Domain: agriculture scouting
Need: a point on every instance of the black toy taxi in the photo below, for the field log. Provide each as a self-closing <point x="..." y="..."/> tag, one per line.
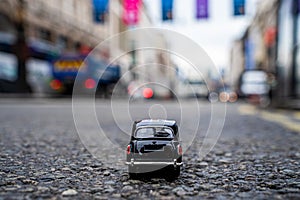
<point x="154" y="146"/>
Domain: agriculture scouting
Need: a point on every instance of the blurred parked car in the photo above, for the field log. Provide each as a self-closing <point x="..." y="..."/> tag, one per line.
<point x="255" y="87"/>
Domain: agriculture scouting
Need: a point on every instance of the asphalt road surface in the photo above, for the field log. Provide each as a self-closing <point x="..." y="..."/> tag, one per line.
<point x="255" y="154"/>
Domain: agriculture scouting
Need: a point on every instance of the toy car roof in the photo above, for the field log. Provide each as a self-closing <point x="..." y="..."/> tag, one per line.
<point x="156" y="122"/>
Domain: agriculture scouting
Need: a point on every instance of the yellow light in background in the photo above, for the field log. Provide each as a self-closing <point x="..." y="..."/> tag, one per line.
<point x="233" y="97"/>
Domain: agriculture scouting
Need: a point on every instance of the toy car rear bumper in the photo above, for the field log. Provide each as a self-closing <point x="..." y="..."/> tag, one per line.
<point x="133" y="163"/>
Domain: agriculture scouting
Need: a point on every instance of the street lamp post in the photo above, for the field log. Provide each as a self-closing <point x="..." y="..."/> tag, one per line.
<point x="21" y="50"/>
<point x="295" y="49"/>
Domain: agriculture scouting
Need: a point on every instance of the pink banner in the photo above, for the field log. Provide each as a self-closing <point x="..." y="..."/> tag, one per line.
<point x="131" y="11"/>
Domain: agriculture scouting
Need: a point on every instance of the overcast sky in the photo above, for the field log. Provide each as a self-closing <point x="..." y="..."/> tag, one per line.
<point x="214" y="35"/>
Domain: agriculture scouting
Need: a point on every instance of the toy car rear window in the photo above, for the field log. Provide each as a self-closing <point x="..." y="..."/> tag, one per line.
<point x="154" y="132"/>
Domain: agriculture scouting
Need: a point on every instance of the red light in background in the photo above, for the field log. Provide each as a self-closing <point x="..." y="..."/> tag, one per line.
<point x="89" y="83"/>
<point x="55" y="84"/>
<point x="148" y="93"/>
<point x="270" y="36"/>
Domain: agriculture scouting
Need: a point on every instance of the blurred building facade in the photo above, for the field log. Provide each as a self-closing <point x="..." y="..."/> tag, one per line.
<point x="35" y="30"/>
<point x="237" y="62"/>
<point x="54" y="23"/>
<point x="31" y="31"/>
<point x="288" y="53"/>
<point x="271" y="44"/>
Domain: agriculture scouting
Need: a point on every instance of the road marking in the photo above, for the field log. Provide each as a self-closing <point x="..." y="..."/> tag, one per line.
<point x="278" y="117"/>
<point x="281" y="119"/>
<point x="297" y="115"/>
<point x="271" y="116"/>
<point x="247" y="110"/>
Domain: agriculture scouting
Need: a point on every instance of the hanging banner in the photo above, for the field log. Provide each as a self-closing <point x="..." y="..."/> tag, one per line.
<point x="202" y="9"/>
<point x="100" y="10"/>
<point x="167" y="10"/>
<point x="131" y="12"/>
<point x="238" y="7"/>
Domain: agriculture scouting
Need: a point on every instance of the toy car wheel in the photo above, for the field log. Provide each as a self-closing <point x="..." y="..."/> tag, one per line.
<point x="176" y="172"/>
<point x="133" y="176"/>
<point x="132" y="172"/>
<point x="173" y="173"/>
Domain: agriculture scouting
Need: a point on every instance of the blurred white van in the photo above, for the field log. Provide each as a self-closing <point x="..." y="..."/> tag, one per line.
<point x="255" y="87"/>
<point x="255" y="83"/>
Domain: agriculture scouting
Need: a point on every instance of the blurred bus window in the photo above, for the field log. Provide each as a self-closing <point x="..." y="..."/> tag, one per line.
<point x="8" y="66"/>
<point x="39" y="73"/>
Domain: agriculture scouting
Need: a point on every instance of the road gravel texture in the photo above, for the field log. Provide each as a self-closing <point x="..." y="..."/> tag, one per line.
<point x="41" y="156"/>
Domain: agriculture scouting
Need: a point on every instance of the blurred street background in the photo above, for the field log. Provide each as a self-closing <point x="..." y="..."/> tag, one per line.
<point x="253" y="44"/>
<point x="254" y="73"/>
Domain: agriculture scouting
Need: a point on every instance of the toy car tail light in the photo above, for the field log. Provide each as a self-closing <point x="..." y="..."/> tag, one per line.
<point x="128" y="149"/>
<point x="179" y="149"/>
